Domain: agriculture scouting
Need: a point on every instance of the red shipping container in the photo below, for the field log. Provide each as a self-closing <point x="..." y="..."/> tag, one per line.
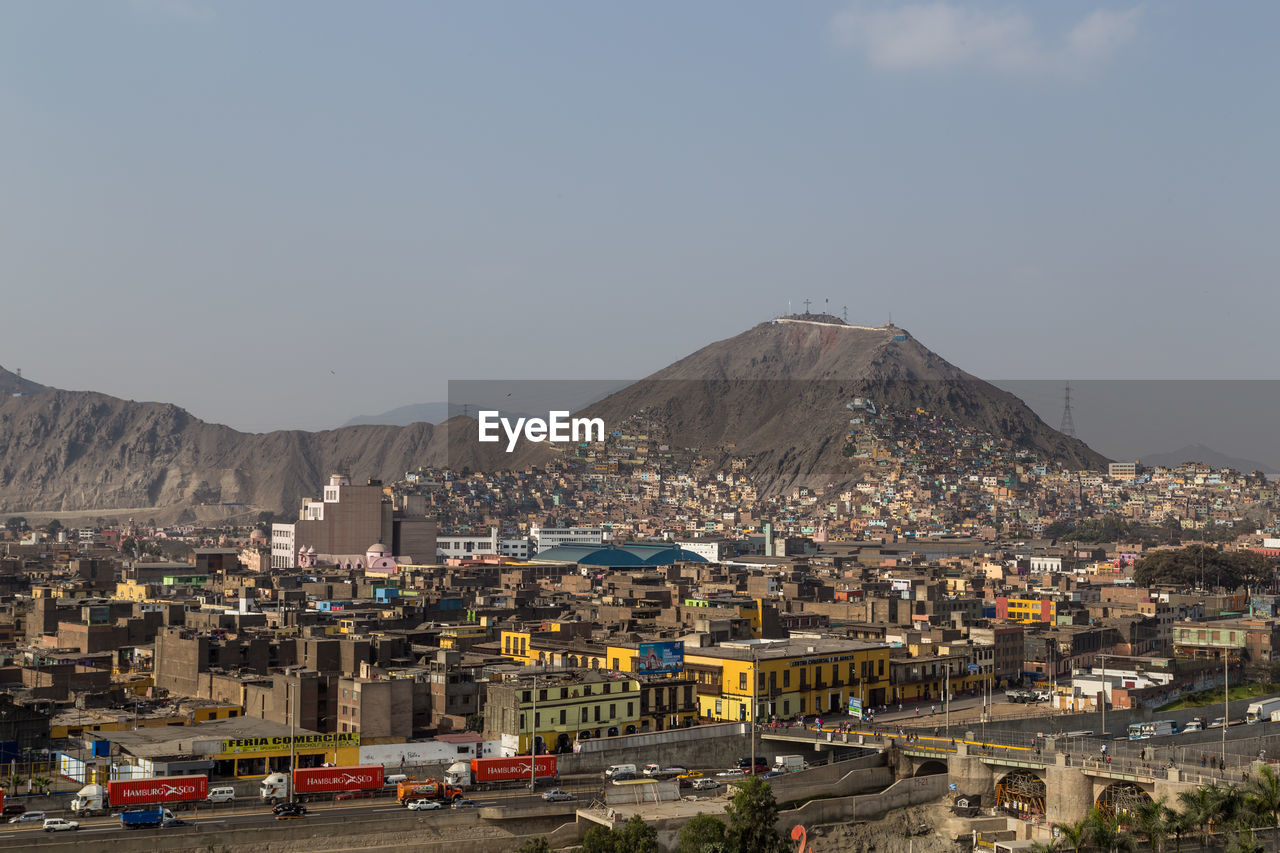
<point x="161" y="789"/>
<point x="321" y="780"/>
<point x="516" y="767"/>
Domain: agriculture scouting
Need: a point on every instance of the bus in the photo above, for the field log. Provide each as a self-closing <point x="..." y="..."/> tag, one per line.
<point x="1159" y="727"/>
<point x="1156" y="728"/>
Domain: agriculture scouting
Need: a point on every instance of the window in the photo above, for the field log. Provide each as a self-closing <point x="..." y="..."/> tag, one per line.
<point x="630" y="706"/>
<point x="597" y="719"/>
<point x="562" y="717"/>
<point x="522" y="721"/>
<point x="786" y="678"/>
<point x="615" y="664"/>
<point x="801" y="704"/>
<point x="613" y="711"/>
<point x="584" y="713"/>
<point x="742" y="681"/>
<point x="537" y="719"/>
<point x="718" y="707"/>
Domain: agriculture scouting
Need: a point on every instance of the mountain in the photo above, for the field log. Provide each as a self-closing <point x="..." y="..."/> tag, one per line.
<point x="63" y="451"/>
<point x="13" y="385"/>
<point x="1207" y="455"/>
<point x="431" y="413"/>
<point x="778" y="393"/>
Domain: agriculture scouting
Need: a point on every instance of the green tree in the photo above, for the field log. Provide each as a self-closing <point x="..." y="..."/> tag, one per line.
<point x="12" y="783"/>
<point x="1198" y="812"/>
<point x="1148" y="821"/>
<point x="1244" y="842"/>
<point x="1177" y="825"/>
<point x="1105" y="832"/>
<point x="701" y="834"/>
<point x="53" y="527"/>
<point x="16" y="524"/>
<point x="538" y="844"/>
<point x="475" y="723"/>
<point x="1262" y="792"/>
<point x="753" y="816"/>
<point x="636" y="836"/>
<point x="1074" y="835"/>
<point x="599" y="839"/>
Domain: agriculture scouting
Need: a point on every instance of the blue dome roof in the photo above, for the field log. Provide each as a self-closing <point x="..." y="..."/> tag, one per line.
<point x="624" y="556"/>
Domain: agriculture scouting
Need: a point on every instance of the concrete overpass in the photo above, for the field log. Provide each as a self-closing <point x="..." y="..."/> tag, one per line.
<point x="1054" y="779"/>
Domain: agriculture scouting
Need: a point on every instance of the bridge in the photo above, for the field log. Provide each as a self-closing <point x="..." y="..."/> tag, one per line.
<point x="1039" y="779"/>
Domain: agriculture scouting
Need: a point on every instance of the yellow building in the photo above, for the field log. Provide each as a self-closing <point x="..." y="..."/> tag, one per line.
<point x="787" y="677"/>
<point x="1027" y="609"/>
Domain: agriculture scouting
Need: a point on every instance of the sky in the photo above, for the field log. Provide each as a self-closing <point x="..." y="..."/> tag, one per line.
<point x="283" y="215"/>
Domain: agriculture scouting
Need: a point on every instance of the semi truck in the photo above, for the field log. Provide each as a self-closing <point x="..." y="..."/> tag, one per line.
<point x="130" y="793"/>
<point x="308" y="781"/>
<point x="495" y="772"/>
<point x="1259" y="712"/>
<point x="145" y="818"/>
<point x="426" y="789"/>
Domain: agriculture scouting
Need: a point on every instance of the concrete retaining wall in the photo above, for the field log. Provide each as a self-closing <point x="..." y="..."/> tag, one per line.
<point x="701" y="746"/>
<point x="907" y="792"/>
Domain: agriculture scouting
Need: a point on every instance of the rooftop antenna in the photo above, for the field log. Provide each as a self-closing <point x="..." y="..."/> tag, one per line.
<point x="1068" y="426"/>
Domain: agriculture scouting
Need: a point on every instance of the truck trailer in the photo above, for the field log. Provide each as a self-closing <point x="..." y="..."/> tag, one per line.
<point x="131" y="793"/>
<point x="145" y="818"/>
<point x="276" y="787"/>
<point x="1260" y="711"/>
<point x="493" y="772"/>
<point x="426" y="789"/>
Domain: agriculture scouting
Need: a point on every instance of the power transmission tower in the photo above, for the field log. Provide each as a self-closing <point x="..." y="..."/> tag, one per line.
<point x="1068" y="426"/>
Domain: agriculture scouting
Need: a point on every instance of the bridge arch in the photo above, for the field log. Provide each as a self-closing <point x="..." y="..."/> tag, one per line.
<point x="1021" y="793"/>
<point x="1122" y="798"/>
<point x="931" y="767"/>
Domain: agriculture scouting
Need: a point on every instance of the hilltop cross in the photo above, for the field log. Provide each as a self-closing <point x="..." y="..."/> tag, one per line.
<point x="806" y="306"/>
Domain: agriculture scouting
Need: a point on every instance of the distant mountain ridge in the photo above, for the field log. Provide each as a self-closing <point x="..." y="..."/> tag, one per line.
<point x="775" y="394"/>
<point x="431" y="413"/>
<point x="1209" y="456"/>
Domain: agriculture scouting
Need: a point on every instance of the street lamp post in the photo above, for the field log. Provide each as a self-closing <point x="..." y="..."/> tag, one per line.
<point x="755" y="684"/>
<point x="1103" y="658"/>
<point x="1226" y="699"/>
<point x="533" y="738"/>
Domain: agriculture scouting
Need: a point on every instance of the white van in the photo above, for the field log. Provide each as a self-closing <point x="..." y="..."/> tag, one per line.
<point x="394" y="779"/>
<point x="222" y="795"/>
<point x="617" y="769"/>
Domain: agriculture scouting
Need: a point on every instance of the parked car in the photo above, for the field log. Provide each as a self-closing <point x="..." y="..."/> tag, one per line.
<point x="28" y="817"/>
<point x="57" y="824"/>
<point x="555" y="795"/>
<point x="424" y="805"/>
<point x="289" y="811"/>
<point x="732" y="773"/>
<point x="11" y="809"/>
<point x="705" y="784"/>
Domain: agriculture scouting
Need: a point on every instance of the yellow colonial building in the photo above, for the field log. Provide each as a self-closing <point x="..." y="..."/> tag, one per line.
<point x="787" y="677"/>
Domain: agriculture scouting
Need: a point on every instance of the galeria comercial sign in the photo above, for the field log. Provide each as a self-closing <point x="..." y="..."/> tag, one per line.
<point x="557" y="428"/>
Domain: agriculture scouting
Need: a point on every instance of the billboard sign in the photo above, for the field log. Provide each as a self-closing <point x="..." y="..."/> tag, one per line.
<point x="655" y="658"/>
<point x="855" y="707"/>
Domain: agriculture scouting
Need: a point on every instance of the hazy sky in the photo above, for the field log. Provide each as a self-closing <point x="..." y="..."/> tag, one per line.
<point x="286" y="214"/>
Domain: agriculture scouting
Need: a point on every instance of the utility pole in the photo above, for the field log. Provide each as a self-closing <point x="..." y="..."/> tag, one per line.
<point x="533" y="738"/>
<point x="755" y="683"/>
<point x="946" y="700"/>
<point x="293" y="719"/>
<point x="1226" y="698"/>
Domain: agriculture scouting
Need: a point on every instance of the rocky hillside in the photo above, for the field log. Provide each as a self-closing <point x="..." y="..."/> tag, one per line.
<point x="778" y="392"/>
<point x="74" y="450"/>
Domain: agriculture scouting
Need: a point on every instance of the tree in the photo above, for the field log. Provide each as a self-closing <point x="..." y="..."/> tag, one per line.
<point x="538" y="844"/>
<point x="13" y="782"/>
<point x="1105" y="832"/>
<point x="475" y="723"/>
<point x="599" y="839"/>
<point x="1245" y="842"/>
<point x="753" y="814"/>
<point x="1177" y="825"/>
<point x="53" y="527"/>
<point x="1198" y="812"/>
<point x="1148" y="821"/>
<point x="1074" y="835"/>
<point x="1262" y="792"/>
<point x="701" y="833"/>
<point x="636" y="836"/>
<point x="42" y="783"/>
<point x="16" y="524"/>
